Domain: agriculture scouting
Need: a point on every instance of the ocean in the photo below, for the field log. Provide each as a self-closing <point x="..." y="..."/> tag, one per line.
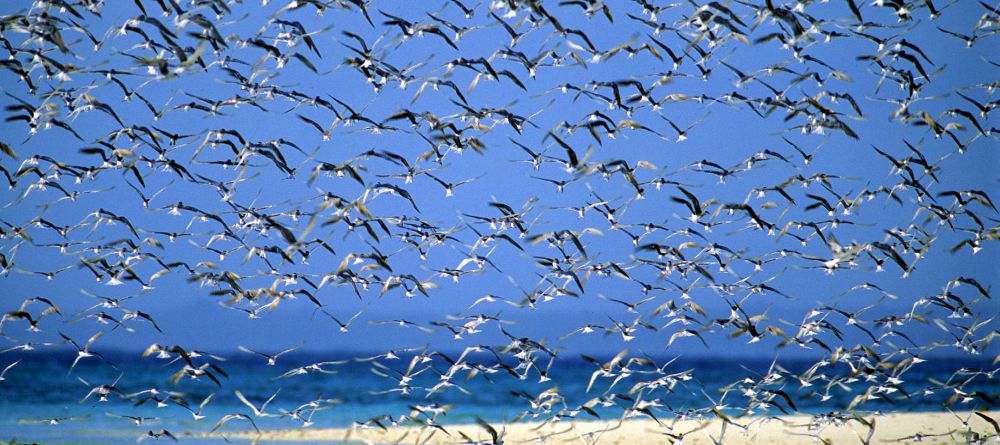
<point x="40" y="388"/>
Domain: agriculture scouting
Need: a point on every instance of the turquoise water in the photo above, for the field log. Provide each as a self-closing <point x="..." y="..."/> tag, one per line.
<point x="39" y="388"/>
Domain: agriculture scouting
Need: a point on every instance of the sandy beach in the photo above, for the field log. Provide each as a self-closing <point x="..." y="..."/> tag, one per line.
<point x="935" y="428"/>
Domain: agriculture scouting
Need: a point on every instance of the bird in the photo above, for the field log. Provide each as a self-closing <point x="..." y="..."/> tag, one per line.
<point x="226" y="418"/>
<point x="8" y="368"/>
<point x="84" y="351"/>
<point x="495" y="437"/>
<point x="272" y="359"/>
<point x="157" y="435"/>
<point x="137" y="420"/>
<point x="258" y="412"/>
<point x="343" y="325"/>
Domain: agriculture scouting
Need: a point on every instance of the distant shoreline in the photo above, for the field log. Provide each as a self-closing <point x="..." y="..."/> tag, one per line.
<point x="929" y="427"/>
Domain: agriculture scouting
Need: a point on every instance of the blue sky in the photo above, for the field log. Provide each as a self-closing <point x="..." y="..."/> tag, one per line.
<point x="723" y="133"/>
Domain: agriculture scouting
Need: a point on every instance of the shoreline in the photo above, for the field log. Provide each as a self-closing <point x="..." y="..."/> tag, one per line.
<point x="926" y="427"/>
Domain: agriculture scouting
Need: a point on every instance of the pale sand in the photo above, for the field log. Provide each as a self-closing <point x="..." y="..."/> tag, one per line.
<point x="889" y="428"/>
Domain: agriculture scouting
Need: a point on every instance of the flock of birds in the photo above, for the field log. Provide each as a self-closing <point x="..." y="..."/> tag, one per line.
<point x="579" y="153"/>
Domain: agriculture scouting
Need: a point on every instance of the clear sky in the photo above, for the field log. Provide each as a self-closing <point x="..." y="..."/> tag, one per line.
<point x="723" y="132"/>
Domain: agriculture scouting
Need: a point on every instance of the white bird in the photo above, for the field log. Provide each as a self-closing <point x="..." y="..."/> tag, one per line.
<point x="271" y="359"/>
<point x="4" y="372"/>
<point x="258" y="412"/>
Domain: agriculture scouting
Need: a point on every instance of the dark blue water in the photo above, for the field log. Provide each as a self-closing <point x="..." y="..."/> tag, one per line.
<point x="39" y="388"/>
